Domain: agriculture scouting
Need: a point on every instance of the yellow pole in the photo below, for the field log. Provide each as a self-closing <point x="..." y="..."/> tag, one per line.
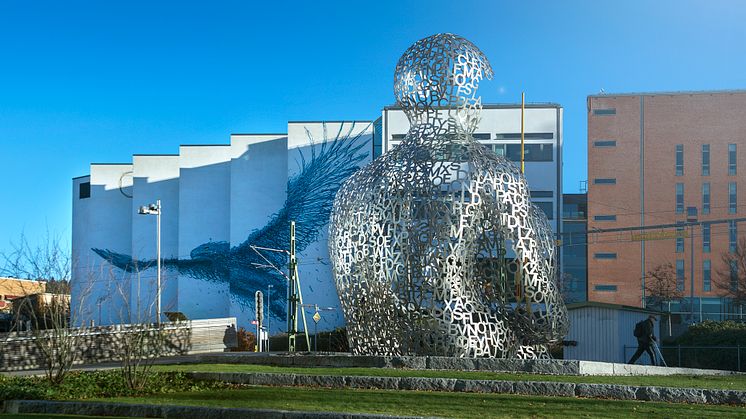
<point x="523" y="125"/>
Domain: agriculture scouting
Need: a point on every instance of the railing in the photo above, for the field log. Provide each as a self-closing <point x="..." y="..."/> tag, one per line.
<point x="708" y="357"/>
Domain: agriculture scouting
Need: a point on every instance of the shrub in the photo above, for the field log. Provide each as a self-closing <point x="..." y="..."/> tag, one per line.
<point x="709" y="334"/>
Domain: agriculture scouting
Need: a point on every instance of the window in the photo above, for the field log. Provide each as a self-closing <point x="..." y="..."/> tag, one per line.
<point x="679" y="159"/>
<point x="547" y="207"/>
<point x="531" y="152"/>
<point x="706" y="198"/>
<point x="680" y="274"/>
<point x="706" y="237"/>
<point x="542" y="194"/>
<point x="604" y="181"/>
<point x="604" y="143"/>
<point x="604" y="218"/>
<point x="481" y="136"/>
<point x="680" y="238"/>
<point x="607" y="111"/>
<point x="679" y="198"/>
<point x="732" y="236"/>
<point x="84" y="190"/>
<point x="604" y="287"/>
<point x="733" y="275"/>
<point x="397" y="137"/>
<point x="732" y="159"/>
<point x="732" y="198"/>
<point x="526" y="136"/>
<point x="705" y="160"/>
<point x="603" y="255"/>
<point x="706" y="275"/>
<point x="498" y="149"/>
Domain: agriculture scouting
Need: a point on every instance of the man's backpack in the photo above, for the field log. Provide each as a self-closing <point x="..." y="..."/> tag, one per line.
<point x="640" y="329"/>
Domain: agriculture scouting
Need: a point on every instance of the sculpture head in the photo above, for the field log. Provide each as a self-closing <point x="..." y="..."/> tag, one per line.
<point x="436" y="82"/>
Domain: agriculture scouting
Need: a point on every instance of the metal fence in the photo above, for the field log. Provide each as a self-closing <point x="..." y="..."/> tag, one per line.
<point x="708" y="357"/>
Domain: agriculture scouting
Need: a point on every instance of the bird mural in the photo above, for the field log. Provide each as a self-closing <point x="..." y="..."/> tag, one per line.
<point x="309" y="199"/>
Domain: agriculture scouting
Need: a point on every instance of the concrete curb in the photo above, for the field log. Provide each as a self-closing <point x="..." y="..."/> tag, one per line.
<point x="529" y="388"/>
<point x="538" y="366"/>
<point x="171" y="411"/>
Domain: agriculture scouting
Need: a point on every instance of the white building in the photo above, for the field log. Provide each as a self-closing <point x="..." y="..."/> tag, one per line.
<point x="500" y="130"/>
<point x="218" y="199"/>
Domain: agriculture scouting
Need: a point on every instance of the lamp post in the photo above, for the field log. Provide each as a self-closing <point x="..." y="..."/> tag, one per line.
<point x="691" y="217"/>
<point x="269" y="313"/>
<point x="155" y="209"/>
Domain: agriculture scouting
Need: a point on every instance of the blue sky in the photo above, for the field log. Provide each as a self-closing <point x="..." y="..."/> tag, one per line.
<point x="96" y="81"/>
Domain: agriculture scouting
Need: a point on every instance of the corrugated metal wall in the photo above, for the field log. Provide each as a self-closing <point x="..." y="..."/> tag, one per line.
<point x="602" y="333"/>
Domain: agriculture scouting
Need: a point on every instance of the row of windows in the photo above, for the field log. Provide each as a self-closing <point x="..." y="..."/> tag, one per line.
<point x="531" y="152"/>
<point x="732" y="162"/>
<point x="706" y="198"/>
<point x="681" y="277"/>
<point x="499" y="136"/>
<point x="706" y="239"/>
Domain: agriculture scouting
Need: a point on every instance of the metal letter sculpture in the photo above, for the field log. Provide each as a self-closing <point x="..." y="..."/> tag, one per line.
<point x="436" y="248"/>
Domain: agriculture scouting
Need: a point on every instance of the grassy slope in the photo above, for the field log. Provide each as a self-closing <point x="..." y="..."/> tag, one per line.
<point x="730" y="382"/>
<point x="455" y="405"/>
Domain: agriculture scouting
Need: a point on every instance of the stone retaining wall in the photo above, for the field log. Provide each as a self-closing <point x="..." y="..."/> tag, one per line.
<point x="18" y="350"/>
<point x="532" y="388"/>
<point x="176" y="412"/>
<point x="536" y="366"/>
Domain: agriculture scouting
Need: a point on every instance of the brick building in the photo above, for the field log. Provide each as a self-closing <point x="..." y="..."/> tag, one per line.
<point x="653" y="160"/>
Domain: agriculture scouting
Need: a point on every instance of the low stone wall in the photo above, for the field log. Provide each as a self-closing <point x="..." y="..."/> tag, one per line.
<point x="536" y="366"/>
<point x="531" y="388"/>
<point x="177" y="412"/>
<point x="18" y="351"/>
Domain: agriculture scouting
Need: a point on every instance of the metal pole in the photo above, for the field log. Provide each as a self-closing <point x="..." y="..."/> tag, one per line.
<point x="158" y="255"/>
<point x="315" y="336"/>
<point x="292" y="291"/>
<point x="523" y="126"/>
<point x="269" y="313"/>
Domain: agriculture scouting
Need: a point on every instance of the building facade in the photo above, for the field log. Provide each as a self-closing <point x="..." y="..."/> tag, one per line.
<point x="217" y="201"/>
<point x="499" y="129"/>
<point x="665" y="186"/>
<point x="574" y="239"/>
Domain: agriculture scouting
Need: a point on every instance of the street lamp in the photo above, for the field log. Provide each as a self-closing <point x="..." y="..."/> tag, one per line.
<point x="691" y="217"/>
<point x="155" y="209"/>
<point x="269" y="313"/>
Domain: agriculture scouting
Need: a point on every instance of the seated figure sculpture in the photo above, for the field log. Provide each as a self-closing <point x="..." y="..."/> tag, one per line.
<point x="435" y="246"/>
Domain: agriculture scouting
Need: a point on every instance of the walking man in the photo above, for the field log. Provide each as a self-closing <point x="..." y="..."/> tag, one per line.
<point x="645" y="338"/>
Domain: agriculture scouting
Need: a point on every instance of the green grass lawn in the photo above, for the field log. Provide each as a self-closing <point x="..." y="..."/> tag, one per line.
<point x="452" y="405"/>
<point x="728" y="382"/>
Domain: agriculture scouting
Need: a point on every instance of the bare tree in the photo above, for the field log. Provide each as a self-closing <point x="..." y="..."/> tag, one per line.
<point x="47" y="315"/>
<point x="140" y="342"/>
<point x="661" y="286"/>
<point x="731" y="277"/>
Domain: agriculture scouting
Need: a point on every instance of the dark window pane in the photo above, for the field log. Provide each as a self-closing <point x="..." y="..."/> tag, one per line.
<point x="604" y="287"/>
<point x="706" y="237"/>
<point x="705" y="160"/>
<point x="526" y="136"/>
<point x="604" y="181"/>
<point x="84" y="190"/>
<point x="604" y="218"/>
<point x="608" y="111"/>
<point x="732" y="198"/>
<point x="531" y="152"/>
<point x="705" y="198"/>
<point x="604" y="143"/>
<point x="542" y="194"/>
<point x="398" y="137"/>
<point x="679" y="198"/>
<point x="603" y="255"/>
<point x="679" y="160"/>
<point x="732" y="159"/>
<point x="481" y="136"/>
<point x="680" y="274"/>
<point x="706" y="275"/>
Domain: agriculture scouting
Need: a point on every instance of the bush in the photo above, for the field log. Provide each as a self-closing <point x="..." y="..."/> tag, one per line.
<point x="246" y="341"/>
<point x="709" y="334"/>
<point x="98" y="384"/>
